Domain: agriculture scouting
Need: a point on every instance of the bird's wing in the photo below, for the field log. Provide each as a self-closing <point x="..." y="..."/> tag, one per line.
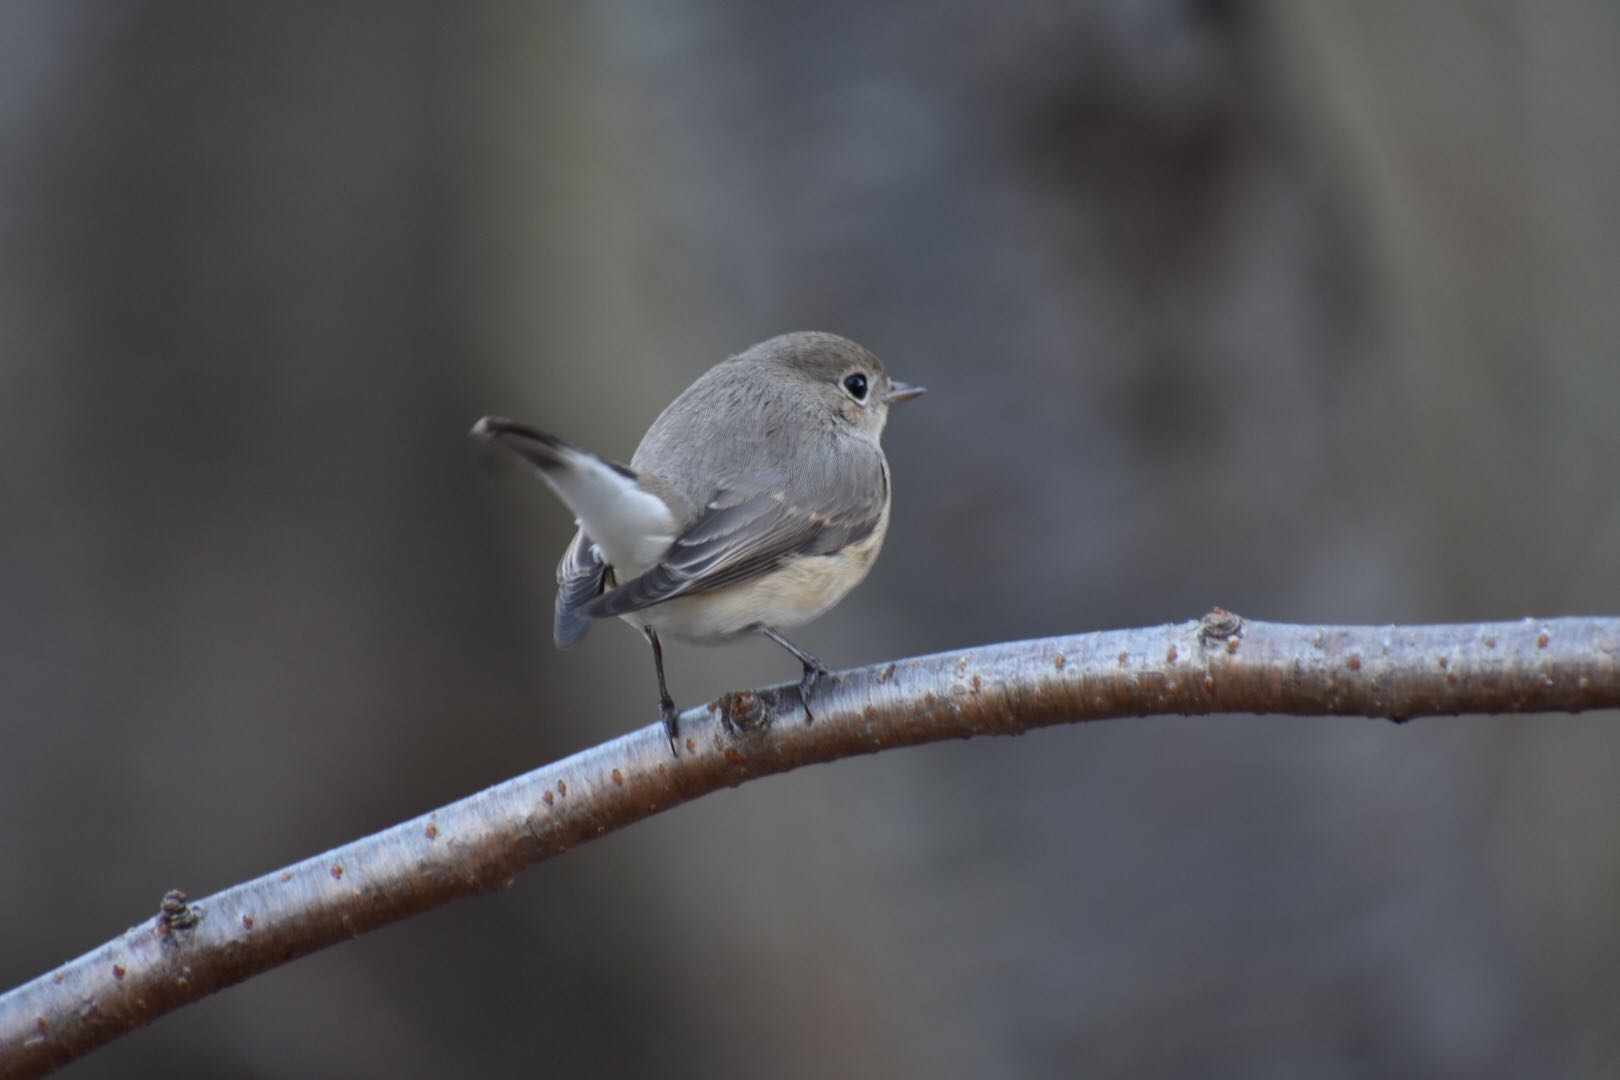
<point x="752" y="527"/>
<point x="580" y="577"/>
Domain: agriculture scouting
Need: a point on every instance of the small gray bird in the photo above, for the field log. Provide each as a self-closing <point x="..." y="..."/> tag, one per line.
<point x="756" y="501"/>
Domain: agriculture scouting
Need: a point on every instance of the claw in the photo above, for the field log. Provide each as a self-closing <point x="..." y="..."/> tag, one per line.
<point x="666" y="707"/>
<point x="807" y="686"/>
<point x="668" y="714"/>
<point x="813" y="669"/>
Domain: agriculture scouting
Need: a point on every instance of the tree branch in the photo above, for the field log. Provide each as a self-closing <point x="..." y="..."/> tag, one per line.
<point x="1219" y="664"/>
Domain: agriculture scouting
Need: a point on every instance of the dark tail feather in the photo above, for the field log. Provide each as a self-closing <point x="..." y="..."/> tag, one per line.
<point x="569" y="627"/>
<point x="531" y="444"/>
<point x="580" y="576"/>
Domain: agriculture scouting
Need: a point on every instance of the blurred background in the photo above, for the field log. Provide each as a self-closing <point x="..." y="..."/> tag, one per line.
<point x="1302" y="308"/>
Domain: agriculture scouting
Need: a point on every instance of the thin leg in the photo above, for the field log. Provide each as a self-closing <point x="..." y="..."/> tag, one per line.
<point x="813" y="669"/>
<point x="666" y="704"/>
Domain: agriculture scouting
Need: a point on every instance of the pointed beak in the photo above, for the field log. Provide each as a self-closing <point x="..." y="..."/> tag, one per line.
<point x="899" y="391"/>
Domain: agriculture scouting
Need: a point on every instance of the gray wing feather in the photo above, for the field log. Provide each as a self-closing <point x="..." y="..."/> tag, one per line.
<point x="581" y="577"/>
<point x="747" y="532"/>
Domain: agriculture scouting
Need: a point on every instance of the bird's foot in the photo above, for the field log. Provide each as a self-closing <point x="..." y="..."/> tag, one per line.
<point x="807" y="686"/>
<point x="668" y="713"/>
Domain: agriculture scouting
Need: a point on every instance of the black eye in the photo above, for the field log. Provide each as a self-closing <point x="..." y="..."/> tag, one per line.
<point x="856" y="385"/>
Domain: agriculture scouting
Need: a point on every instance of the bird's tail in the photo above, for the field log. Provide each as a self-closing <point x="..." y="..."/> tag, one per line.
<point x="538" y="448"/>
<point x="629" y="527"/>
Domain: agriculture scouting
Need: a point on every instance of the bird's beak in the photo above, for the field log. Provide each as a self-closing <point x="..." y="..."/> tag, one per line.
<point x="899" y="391"/>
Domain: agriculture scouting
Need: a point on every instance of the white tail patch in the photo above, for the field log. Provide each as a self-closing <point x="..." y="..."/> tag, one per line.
<point x="632" y="528"/>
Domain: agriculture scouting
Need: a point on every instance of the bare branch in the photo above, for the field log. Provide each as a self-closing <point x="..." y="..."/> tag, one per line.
<point x="1219" y="664"/>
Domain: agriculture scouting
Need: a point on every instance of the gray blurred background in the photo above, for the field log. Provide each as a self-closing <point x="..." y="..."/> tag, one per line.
<point x="1306" y="309"/>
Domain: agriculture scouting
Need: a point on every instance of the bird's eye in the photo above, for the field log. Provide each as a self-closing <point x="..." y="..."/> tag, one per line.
<point x="856" y="385"/>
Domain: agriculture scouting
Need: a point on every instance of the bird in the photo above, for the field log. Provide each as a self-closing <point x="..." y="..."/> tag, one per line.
<point x="756" y="501"/>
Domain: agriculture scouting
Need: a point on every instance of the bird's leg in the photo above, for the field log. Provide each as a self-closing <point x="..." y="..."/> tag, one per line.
<point x="813" y="669"/>
<point x="666" y="704"/>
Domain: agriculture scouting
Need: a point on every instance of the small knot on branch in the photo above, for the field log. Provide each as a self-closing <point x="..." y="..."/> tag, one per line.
<point x="745" y="711"/>
<point x="175" y="914"/>
<point x="1219" y="625"/>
